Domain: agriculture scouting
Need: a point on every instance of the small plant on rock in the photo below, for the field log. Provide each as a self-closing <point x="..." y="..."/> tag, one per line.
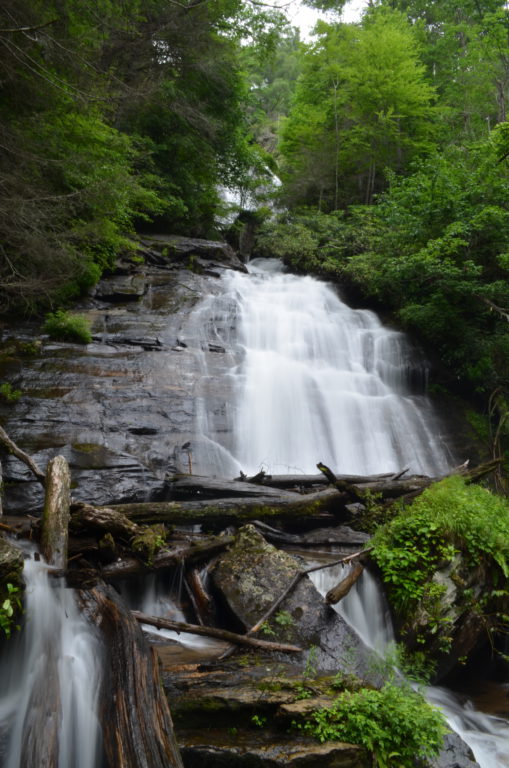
<point x="65" y="326"/>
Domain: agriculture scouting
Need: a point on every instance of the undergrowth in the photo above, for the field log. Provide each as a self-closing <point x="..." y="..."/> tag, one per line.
<point x="450" y="523"/>
<point x="395" y="723"/>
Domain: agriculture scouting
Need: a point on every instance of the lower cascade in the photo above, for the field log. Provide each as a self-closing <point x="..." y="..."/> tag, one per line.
<point x="310" y="379"/>
<point x="365" y="609"/>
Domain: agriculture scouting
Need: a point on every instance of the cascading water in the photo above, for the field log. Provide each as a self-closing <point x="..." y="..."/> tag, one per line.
<point x="51" y="678"/>
<point x="311" y="380"/>
<point x="365" y="609"/>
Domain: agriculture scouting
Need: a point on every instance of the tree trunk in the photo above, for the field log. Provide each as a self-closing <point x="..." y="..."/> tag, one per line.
<point x="136" y="720"/>
<point x="55" y="517"/>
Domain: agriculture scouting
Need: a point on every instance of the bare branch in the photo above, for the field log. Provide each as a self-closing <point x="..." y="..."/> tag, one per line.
<point x="27" y="29"/>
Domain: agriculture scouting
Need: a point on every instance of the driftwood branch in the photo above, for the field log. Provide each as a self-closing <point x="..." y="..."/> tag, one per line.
<point x="21" y="455"/>
<point x="220" y="634"/>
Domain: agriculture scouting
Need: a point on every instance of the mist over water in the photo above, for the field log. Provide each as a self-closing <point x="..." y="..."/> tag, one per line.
<point x="311" y="379"/>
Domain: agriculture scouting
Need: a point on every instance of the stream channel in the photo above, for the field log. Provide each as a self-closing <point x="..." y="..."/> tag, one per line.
<point x="271" y="371"/>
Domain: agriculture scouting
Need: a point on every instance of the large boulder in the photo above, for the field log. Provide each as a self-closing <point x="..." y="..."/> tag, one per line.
<point x="250" y="577"/>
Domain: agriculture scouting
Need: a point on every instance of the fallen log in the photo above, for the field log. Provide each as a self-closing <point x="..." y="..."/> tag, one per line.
<point x="295" y="482"/>
<point x="136" y="721"/>
<point x="183" y="552"/>
<point x="321" y="505"/>
<point x="341" y="535"/>
<point x="22" y="456"/>
<point x="55" y="517"/>
<point x="341" y="589"/>
<point x="184" y="487"/>
<point x="220" y="634"/>
<point x="85" y="517"/>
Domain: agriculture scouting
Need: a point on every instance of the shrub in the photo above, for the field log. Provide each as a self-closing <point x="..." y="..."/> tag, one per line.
<point x="8" y="393"/>
<point x="395" y="723"/>
<point x="67" y="327"/>
<point x="448" y="517"/>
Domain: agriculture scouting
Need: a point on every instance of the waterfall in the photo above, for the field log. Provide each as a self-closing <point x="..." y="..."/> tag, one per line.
<point x="366" y="610"/>
<point x="309" y="379"/>
<point x="51" y="677"/>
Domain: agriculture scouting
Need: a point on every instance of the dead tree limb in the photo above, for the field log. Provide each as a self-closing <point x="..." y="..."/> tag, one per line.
<point x="22" y="456"/>
<point x="220" y="634"/>
<point x="341" y="589"/>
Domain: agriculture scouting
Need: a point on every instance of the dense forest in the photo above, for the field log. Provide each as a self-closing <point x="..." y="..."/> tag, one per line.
<point x="389" y="137"/>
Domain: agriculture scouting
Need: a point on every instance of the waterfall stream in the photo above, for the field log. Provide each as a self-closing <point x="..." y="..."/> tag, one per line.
<point x="50" y="677"/>
<point x="310" y="379"/>
<point x="366" y="610"/>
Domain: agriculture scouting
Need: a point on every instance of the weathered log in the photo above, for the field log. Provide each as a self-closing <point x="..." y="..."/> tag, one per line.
<point x="55" y="517"/>
<point x="341" y="589"/>
<point x="136" y="720"/>
<point x="183" y="487"/>
<point x="321" y="505"/>
<point x="21" y="455"/>
<point x="183" y="552"/>
<point x="338" y="535"/>
<point x="84" y="517"/>
<point x="295" y="482"/>
<point x="220" y="634"/>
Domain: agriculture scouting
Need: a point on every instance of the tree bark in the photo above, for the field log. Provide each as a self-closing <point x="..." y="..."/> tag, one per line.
<point x="220" y="634"/>
<point x="136" y="720"/>
<point x="55" y="517"/>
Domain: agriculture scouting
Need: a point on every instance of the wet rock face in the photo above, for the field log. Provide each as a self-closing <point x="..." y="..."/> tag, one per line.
<point x="121" y="408"/>
<point x="455" y="754"/>
<point x="11" y="566"/>
<point x="253" y="574"/>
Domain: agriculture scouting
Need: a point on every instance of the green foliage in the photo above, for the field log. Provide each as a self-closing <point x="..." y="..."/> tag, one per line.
<point x="149" y="542"/>
<point x="394" y="723"/>
<point x="8" y="393"/>
<point x="65" y="326"/>
<point x="361" y="105"/>
<point x="8" y="608"/>
<point x="449" y="517"/>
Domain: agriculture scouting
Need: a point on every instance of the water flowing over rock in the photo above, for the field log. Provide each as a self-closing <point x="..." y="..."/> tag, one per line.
<point x="310" y="379"/>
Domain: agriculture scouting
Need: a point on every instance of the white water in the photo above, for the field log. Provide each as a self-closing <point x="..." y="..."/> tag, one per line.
<point x="312" y="380"/>
<point x="366" y="610"/>
<point x="154" y="597"/>
<point x="51" y="675"/>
